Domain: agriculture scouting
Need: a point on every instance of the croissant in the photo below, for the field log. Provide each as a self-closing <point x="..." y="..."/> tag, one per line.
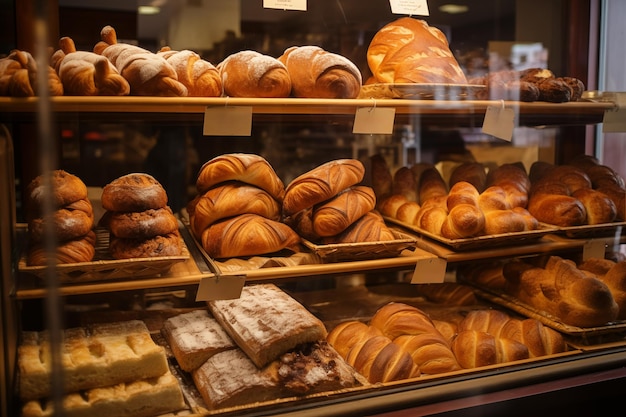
<point x="249" y="168"/>
<point x="85" y="73"/>
<point x="316" y="73"/>
<point x="231" y="199"/>
<point x="429" y="351"/>
<point x="378" y="359"/>
<point x="252" y="74"/>
<point x="347" y="334"/>
<point x="201" y="78"/>
<point x="18" y="75"/>
<point x="147" y="73"/>
<point x="321" y="183"/>
<point x="371" y="227"/>
<point x="248" y="235"/>
<point x="397" y="319"/>
<point x="336" y="215"/>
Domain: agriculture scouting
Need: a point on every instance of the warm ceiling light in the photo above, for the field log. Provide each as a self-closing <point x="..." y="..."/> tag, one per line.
<point x="145" y="10"/>
<point x="453" y="8"/>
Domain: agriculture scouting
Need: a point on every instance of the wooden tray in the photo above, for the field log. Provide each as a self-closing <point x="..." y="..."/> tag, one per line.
<point x="593" y="230"/>
<point x="481" y="242"/>
<point x="104" y="267"/>
<point x="339" y="252"/>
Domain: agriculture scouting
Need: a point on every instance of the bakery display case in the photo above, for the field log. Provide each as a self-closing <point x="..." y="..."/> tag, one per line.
<point x="208" y="323"/>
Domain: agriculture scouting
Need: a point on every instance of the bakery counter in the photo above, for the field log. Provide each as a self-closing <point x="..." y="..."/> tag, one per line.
<point x="192" y="109"/>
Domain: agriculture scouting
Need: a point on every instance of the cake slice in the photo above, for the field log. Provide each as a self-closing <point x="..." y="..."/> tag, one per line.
<point x="142" y="398"/>
<point x="230" y="378"/>
<point x="99" y="355"/>
<point x="194" y="337"/>
<point x="266" y="322"/>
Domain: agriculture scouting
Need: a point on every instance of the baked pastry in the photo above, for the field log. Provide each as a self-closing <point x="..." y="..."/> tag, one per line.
<point x="85" y="73"/>
<point x="613" y="274"/>
<point x="474" y="349"/>
<point x="231" y="379"/>
<point x="370" y="227"/>
<point x="141" y="398"/>
<point x="511" y="177"/>
<point x="70" y="222"/>
<point x="404" y="183"/>
<point x="228" y="199"/>
<point x="248" y="235"/>
<point x="347" y="334"/>
<point x="252" y="74"/>
<point x="81" y="249"/>
<point x="431" y="185"/>
<point x="554" y="90"/>
<point x="143" y="224"/>
<point x="448" y="293"/>
<point x="194" y="337"/>
<point x="599" y="208"/>
<point x="557" y="209"/>
<point x="316" y="73"/>
<point x="380" y="360"/>
<point x="147" y="73"/>
<point x="133" y="193"/>
<point x="408" y="50"/>
<point x="18" y="76"/>
<point x="471" y="172"/>
<point x="321" y="183"/>
<point x="161" y="245"/>
<point x="379" y="176"/>
<point x="65" y="189"/>
<point x="249" y="168"/>
<point x="95" y="356"/>
<point x="265" y="322"/>
<point x="201" y="78"/>
<point x="347" y="207"/>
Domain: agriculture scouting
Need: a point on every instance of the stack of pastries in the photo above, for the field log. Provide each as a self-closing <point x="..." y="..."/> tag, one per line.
<point x="113" y="369"/>
<point x="70" y="222"/>
<point x="249" y="350"/>
<point x="329" y="205"/>
<point x="472" y="203"/>
<point x="140" y="222"/>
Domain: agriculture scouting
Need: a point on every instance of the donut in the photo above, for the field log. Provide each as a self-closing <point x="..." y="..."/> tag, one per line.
<point x="133" y="192"/>
<point x="66" y="189"/>
<point x="142" y="224"/>
<point x="162" y="245"/>
<point x="71" y="251"/>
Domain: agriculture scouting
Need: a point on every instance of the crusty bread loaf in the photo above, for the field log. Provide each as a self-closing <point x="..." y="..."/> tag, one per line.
<point x="337" y="214"/>
<point x="147" y="73"/>
<point x="557" y="209"/>
<point x="512" y="177"/>
<point x="141" y="398"/>
<point x="170" y="244"/>
<point x="321" y="183"/>
<point x="85" y="73"/>
<point x="142" y="224"/>
<point x="231" y="198"/>
<point x="194" y="337"/>
<point x="405" y="183"/>
<point x="379" y="176"/>
<point x="95" y="356"/>
<point x="247" y="235"/>
<point x="448" y="293"/>
<point x="613" y="274"/>
<point x="408" y="50"/>
<point x="249" y="168"/>
<point x="65" y="189"/>
<point x="230" y="378"/>
<point x="70" y="222"/>
<point x="134" y="192"/>
<point x="265" y="322"/>
<point x="253" y="74"/>
<point x="316" y="73"/>
<point x="201" y="78"/>
<point x="471" y="172"/>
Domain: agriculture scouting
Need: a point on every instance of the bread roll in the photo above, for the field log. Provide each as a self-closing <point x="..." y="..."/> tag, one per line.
<point x="81" y="249"/>
<point x="408" y="50"/>
<point x="66" y="224"/>
<point x="65" y="189"/>
<point x="370" y="227"/>
<point x="252" y="74"/>
<point x="539" y="339"/>
<point x="556" y="209"/>
<point x="430" y="352"/>
<point x="408" y="212"/>
<point x="471" y="172"/>
<point x="462" y="192"/>
<point x="463" y="221"/>
<point x="485" y="320"/>
<point x="504" y="221"/>
<point x="316" y="73"/>
<point x="599" y="208"/>
<point x="143" y="224"/>
<point x="336" y="215"/>
<point x="404" y="183"/>
<point x="134" y="192"/>
<point x="201" y="78"/>
<point x="248" y="235"/>
<point x="396" y="319"/>
<point x="18" y="76"/>
<point x="493" y="198"/>
<point x="431" y="218"/>
<point x="147" y="73"/>
<point x="380" y="177"/>
<point x="347" y="334"/>
<point x="613" y="274"/>
<point x="249" y="168"/>
<point x="430" y="185"/>
<point x="160" y="245"/>
<point x="448" y="293"/>
<point x="390" y="205"/>
<point x="514" y="180"/>
<point x="231" y="198"/>
<point x="321" y="183"/>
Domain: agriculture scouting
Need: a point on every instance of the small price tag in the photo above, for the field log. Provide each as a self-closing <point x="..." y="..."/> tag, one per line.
<point x="615" y="120"/>
<point x="429" y="271"/>
<point x="410" y="7"/>
<point x="285" y="4"/>
<point x="374" y="120"/>
<point x="593" y="249"/>
<point x="220" y="288"/>
<point x="227" y="121"/>
<point x="499" y="122"/>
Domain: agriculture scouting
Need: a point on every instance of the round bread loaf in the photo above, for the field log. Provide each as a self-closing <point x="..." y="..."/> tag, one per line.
<point x="161" y="245"/>
<point x="66" y="189"/>
<point x="143" y="224"/>
<point x="133" y="192"/>
<point x="66" y="225"/>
